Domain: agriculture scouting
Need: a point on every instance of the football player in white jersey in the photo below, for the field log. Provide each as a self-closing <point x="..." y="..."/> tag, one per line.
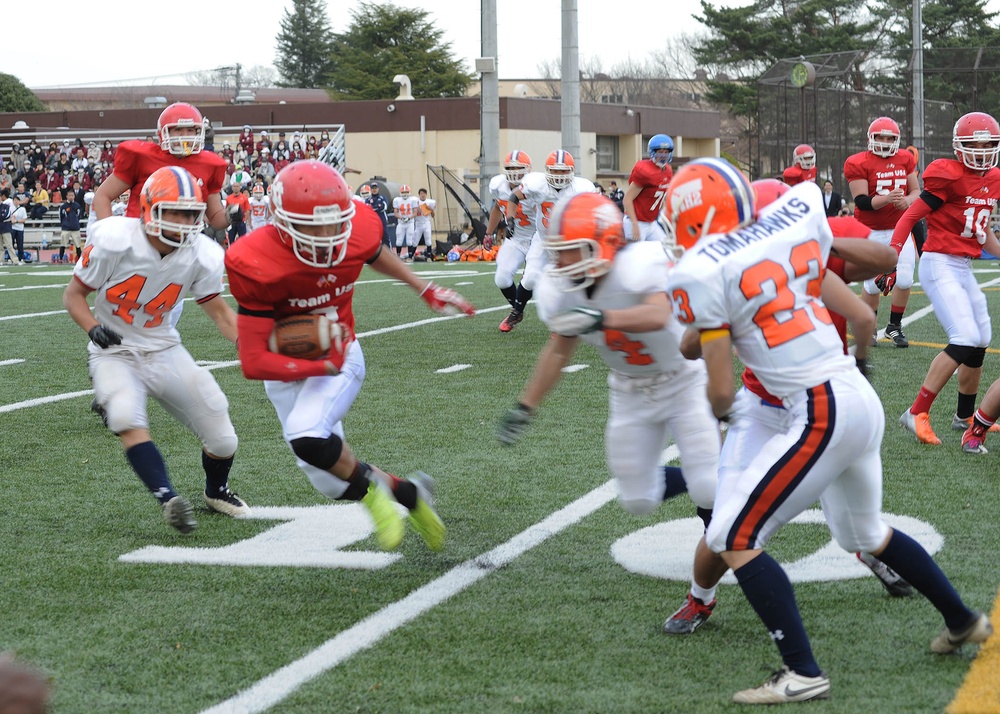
<point x="540" y="192"/>
<point x="405" y="207"/>
<point x="423" y="223"/>
<point x="260" y="207"/>
<point x="755" y="285"/>
<point x="140" y="270"/>
<point x="513" y="251"/>
<point x="612" y="295"/>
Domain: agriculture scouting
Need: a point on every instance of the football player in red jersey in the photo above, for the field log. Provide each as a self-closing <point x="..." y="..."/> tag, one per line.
<point x="647" y="185"/>
<point x="883" y="182"/>
<point x="958" y="198"/>
<point x="308" y="261"/>
<point x="180" y="131"/>
<point x="803" y="166"/>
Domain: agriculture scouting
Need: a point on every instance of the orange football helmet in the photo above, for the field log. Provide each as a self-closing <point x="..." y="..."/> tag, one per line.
<point x="705" y="196"/>
<point x="559" y="169"/>
<point x="592" y="224"/>
<point x="516" y="165"/>
<point x="404" y="191"/>
<point x="977" y="128"/>
<point x="174" y="128"/>
<point x="767" y="191"/>
<point x="365" y="192"/>
<point x="312" y="211"/>
<point x="804" y="157"/>
<point x="883" y="137"/>
<point x="171" y="188"/>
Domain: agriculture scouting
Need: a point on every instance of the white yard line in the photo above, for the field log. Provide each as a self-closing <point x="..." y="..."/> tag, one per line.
<point x="368" y="632"/>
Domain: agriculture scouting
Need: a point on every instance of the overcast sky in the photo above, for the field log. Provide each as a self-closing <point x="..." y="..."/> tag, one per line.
<point x="102" y="42"/>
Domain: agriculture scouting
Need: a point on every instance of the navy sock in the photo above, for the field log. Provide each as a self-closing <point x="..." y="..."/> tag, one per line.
<point x="676" y="485"/>
<point x="148" y="464"/>
<point x="523" y="296"/>
<point x="917" y="567"/>
<point x="216" y="474"/>
<point x="510" y="292"/>
<point x="770" y="594"/>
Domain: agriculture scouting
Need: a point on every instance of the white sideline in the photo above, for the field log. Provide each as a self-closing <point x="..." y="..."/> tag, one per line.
<point x="366" y="633"/>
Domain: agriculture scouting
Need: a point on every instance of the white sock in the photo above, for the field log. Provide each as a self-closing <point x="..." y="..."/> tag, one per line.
<point x="706" y="595"/>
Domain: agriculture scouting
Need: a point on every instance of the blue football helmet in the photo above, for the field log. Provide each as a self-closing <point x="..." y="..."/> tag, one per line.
<point x="660" y="142"/>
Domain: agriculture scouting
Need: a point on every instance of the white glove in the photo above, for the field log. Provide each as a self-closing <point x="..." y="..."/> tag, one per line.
<point x="578" y="321"/>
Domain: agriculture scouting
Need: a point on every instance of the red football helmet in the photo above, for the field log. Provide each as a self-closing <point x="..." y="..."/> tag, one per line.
<point x="404" y="191"/>
<point x="181" y="129"/>
<point x="767" y="191"/>
<point x="559" y="169"/>
<point x="705" y="196"/>
<point x="312" y="211"/>
<point x="516" y="165"/>
<point x="171" y="188"/>
<point x="804" y="157"/>
<point x="883" y="137"/>
<point x="591" y="223"/>
<point x="972" y="129"/>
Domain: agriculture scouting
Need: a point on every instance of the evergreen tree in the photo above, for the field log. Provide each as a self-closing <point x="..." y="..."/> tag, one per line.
<point x="15" y="97"/>
<point x="386" y="40"/>
<point x="303" y="45"/>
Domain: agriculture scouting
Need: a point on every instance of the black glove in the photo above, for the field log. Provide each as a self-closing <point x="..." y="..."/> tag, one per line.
<point x="513" y="424"/>
<point x="508" y="229"/>
<point x="103" y="336"/>
<point x="863" y="368"/>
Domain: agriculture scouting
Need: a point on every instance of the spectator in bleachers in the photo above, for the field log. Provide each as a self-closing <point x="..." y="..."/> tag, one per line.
<point x="83" y="178"/>
<point x="39" y="202"/>
<point x="227" y="151"/>
<point x="36" y="155"/>
<point x="93" y="153"/>
<point x="6" y="238"/>
<point x="246" y="138"/>
<point x="240" y="177"/>
<point x="108" y="154"/>
<point x="310" y="145"/>
<point x="6" y="180"/>
<point x="63" y="164"/>
<point x="265" y="169"/>
<point x="23" y="193"/>
<point x="280" y="151"/>
<point x="52" y="155"/>
<point x="80" y="162"/>
<point x="241" y="157"/>
<point x="297" y="153"/>
<point x="97" y="178"/>
<point x="264" y="143"/>
<point x="51" y="181"/>
<point x="27" y="173"/>
<point x="17" y="155"/>
<point x="69" y="222"/>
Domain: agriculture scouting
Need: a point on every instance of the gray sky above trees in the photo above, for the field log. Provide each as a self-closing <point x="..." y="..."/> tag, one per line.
<point x="607" y="32"/>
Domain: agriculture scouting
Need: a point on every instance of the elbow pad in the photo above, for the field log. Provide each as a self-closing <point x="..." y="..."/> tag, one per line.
<point x="864" y="202"/>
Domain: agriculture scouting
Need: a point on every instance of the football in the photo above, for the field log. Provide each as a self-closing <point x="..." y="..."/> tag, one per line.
<point x="301" y="336"/>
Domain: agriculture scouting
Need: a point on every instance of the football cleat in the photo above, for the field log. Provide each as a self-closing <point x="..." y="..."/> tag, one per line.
<point x="895" y="333"/>
<point x="424" y="520"/>
<point x="950" y="640"/>
<point x="920" y="426"/>
<point x="890" y="579"/>
<point x="974" y="440"/>
<point x="228" y="503"/>
<point x="512" y="320"/>
<point x="389" y="526"/>
<point x="99" y="411"/>
<point x="177" y="512"/>
<point x="691" y="615"/>
<point x="786" y="686"/>
<point x="960" y="424"/>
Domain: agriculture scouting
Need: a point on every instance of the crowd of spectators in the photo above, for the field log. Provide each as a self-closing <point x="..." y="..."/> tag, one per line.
<point x="40" y="178"/>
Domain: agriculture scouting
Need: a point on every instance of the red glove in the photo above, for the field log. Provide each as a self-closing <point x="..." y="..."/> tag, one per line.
<point x="885" y="282"/>
<point x="446" y="301"/>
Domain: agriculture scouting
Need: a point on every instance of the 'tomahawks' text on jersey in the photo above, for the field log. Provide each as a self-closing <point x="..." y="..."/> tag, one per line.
<point x="781" y="218"/>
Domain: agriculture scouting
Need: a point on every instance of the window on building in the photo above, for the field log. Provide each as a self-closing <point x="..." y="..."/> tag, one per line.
<point x="607" y="153"/>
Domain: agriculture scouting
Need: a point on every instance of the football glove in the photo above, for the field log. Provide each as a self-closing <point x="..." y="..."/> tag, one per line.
<point x="863" y="368"/>
<point x="578" y="321"/>
<point x="885" y="282"/>
<point x="509" y="229"/>
<point x="488" y="242"/>
<point x="446" y="301"/>
<point x="103" y="336"/>
<point x="513" y="424"/>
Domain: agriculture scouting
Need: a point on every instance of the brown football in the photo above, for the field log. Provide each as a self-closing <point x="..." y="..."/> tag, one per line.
<point x="301" y="336"/>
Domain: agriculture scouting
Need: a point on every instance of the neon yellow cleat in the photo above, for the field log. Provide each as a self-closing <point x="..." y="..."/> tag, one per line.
<point x="423" y="518"/>
<point x="389" y="527"/>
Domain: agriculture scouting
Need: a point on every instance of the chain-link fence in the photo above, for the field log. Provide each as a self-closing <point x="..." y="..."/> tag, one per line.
<point x="850" y="89"/>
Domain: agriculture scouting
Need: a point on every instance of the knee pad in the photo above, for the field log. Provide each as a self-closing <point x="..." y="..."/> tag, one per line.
<point x="223" y="446"/>
<point x="321" y="453"/>
<point x="503" y="280"/>
<point x="975" y="360"/>
<point x="960" y="353"/>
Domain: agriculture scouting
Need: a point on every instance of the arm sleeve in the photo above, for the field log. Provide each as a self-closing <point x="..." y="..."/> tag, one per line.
<point x="919" y="209"/>
<point x="258" y="362"/>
